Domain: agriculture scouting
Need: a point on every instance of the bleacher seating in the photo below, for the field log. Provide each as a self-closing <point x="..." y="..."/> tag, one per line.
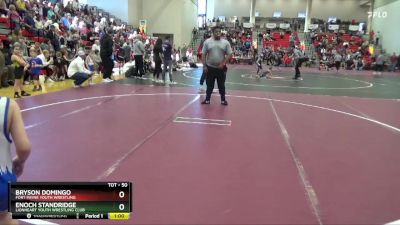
<point x="277" y="41"/>
<point x="354" y="42"/>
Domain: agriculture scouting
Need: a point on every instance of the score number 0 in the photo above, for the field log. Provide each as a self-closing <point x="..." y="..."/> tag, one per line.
<point x="121" y="195"/>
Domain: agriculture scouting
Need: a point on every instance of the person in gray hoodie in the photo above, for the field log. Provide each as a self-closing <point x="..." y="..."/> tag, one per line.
<point x="139" y="51"/>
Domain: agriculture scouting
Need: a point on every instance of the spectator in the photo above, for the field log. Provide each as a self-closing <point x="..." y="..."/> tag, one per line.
<point x="35" y="65"/>
<point x="378" y="36"/>
<point x="194" y="32"/>
<point x="89" y="63"/>
<point x="127" y="52"/>
<point x="106" y="51"/>
<point x="380" y="61"/>
<point x="3" y="8"/>
<point x="77" y="70"/>
<point x="75" y="5"/>
<point x="60" y="67"/>
<point x="139" y="52"/>
<point x="21" y="7"/>
<point x="57" y="9"/>
<point x="292" y="40"/>
<point x="3" y="75"/>
<point x="45" y="46"/>
<point x="63" y="40"/>
<point x="398" y="61"/>
<point x="14" y="16"/>
<point x="97" y="61"/>
<point x="20" y="66"/>
<point x="8" y="72"/>
<point x="47" y="62"/>
<point x="30" y="22"/>
<point x="96" y="46"/>
<point x="65" y="20"/>
<point x="54" y="39"/>
<point x="183" y="53"/>
<point x="50" y="14"/>
<point x="158" y="58"/>
<point x="167" y="53"/>
<point x="393" y="62"/>
<point x="359" y="64"/>
<point x="38" y="23"/>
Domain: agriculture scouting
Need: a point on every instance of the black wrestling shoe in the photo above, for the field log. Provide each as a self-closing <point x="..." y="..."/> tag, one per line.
<point x="224" y="102"/>
<point x="205" y="102"/>
<point x="23" y="93"/>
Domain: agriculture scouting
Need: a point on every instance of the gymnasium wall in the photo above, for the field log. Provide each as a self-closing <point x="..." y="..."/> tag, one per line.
<point x="177" y="17"/>
<point x="118" y="8"/>
<point x="135" y="12"/>
<point x="388" y="26"/>
<point x="211" y="9"/>
<point x="380" y="3"/>
<point x="189" y="21"/>
<point x="322" y="9"/>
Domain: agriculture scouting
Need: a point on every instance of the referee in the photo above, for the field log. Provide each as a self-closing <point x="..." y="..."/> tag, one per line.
<point x="298" y="60"/>
<point x="106" y="51"/>
<point x="216" y="53"/>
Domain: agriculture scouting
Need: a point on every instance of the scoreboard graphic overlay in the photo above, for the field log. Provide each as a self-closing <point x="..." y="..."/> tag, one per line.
<point x="70" y="200"/>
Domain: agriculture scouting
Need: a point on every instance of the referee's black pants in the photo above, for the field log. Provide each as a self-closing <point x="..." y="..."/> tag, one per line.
<point x="212" y="75"/>
<point x="108" y="66"/>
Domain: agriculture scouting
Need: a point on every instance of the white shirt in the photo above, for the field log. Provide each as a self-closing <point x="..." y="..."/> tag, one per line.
<point x="48" y="23"/>
<point x="56" y="9"/>
<point x="77" y="66"/>
<point x="97" y="24"/>
<point x="75" y="5"/>
<point x="44" y="60"/>
<point x="57" y="26"/>
<point x="81" y="24"/>
<point x="95" y="47"/>
<point x="38" y="24"/>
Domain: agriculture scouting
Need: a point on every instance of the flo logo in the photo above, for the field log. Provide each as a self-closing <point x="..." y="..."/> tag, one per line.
<point x="378" y="14"/>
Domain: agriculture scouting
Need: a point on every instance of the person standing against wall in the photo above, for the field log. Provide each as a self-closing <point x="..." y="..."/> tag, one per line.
<point x="139" y="51"/>
<point x="106" y="51"/>
<point x="378" y="36"/>
<point x="216" y="54"/>
<point x="158" y="58"/>
<point x="167" y="51"/>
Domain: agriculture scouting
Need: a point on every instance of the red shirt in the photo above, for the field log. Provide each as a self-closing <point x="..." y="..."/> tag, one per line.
<point x="371" y="34"/>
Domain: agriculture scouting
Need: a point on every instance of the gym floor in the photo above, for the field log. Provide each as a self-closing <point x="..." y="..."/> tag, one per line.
<point x="319" y="151"/>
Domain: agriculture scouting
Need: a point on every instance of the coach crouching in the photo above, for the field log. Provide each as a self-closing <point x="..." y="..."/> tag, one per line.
<point x="77" y="70"/>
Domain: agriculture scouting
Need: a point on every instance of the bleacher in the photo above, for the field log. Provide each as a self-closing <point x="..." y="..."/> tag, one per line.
<point x="276" y="40"/>
<point x="353" y="42"/>
<point x="6" y="28"/>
